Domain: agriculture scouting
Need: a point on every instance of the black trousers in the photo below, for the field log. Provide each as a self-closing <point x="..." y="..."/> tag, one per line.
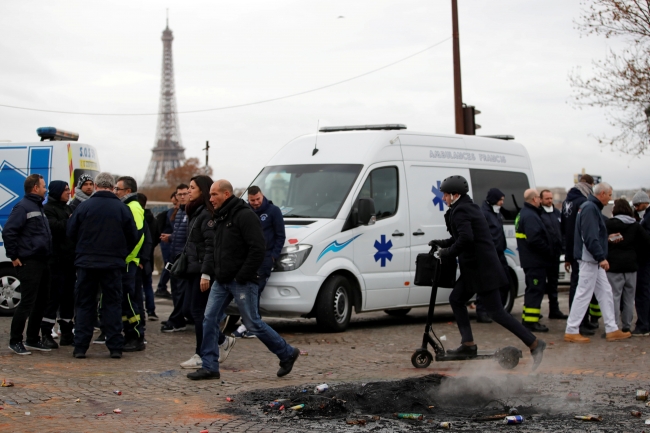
<point x="480" y="309"/>
<point x="642" y="297"/>
<point x="492" y="302"/>
<point x="34" y="276"/>
<point x="88" y="285"/>
<point x="179" y="287"/>
<point x="552" y="277"/>
<point x="61" y="302"/>
<point x="535" y="289"/>
<point x="131" y="304"/>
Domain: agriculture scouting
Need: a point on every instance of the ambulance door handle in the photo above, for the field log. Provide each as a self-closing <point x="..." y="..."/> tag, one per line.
<point x="397" y="233"/>
<point x="418" y="233"/>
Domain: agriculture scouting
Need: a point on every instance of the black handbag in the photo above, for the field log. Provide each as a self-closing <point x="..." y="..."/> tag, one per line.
<point x="427" y="266"/>
<point x="179" y="267"/>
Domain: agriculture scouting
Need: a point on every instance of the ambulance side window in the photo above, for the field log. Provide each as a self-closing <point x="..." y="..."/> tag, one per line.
<point x="382" y="186"/>
<point x="512" y="185"/>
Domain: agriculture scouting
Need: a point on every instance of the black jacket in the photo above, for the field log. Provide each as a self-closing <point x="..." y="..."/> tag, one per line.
<point x="58" y="214"/>
<point x="495" y="222"/>
<point x="574" y="199"/>
<point x="622" y="256"/>
<point x="533" y="240"/>
<point x="272" y="226"/>
<point x="552" y="221"/>
<point x="104" y="231"/>
<point x="27" y="232"/>
<point x="472" y="243"/>
<point x="237" y="250"/>
<point x="201" y="232"/>
<point x="591" y="233"/>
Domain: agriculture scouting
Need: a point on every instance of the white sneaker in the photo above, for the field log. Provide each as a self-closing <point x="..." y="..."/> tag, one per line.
<point x="225" y="348"/>
<point x="193" y="362"/>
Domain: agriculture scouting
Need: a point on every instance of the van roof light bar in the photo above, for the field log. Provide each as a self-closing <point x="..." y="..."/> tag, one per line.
<point x="383" y="127"/>
<point x="53" y="134"/>
<point x="499" y="137"/>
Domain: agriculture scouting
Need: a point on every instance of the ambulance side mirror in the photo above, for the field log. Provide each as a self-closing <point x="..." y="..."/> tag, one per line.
<point x="366" y="212"/>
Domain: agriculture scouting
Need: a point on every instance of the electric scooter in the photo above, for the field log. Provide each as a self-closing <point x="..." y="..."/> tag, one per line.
<point x="507" y="357"/>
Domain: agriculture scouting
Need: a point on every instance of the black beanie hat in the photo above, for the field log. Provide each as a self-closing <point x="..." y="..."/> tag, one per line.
<point x="494" y="195"/>
<point x="56" y="188"/>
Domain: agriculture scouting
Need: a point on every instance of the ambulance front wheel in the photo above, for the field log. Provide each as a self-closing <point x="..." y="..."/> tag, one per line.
<point x="334" y="304"/>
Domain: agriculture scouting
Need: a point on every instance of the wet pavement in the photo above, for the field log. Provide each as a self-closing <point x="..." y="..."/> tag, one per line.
<point x="55" y="392"/>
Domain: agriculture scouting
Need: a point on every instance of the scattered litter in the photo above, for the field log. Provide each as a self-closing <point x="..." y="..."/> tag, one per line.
<point x="375" y="417"/>
<point x="356" y="421"/>
<point x="229" y="399"/>
<point x="277" y="403"/>
<point x="204" y="431"/>
<point x="304" y="353"/>
<point x="117" y="410"/>
<point x="28" y="413"/>
<point x="417" y="416"/>
<point x="281" y="408"/>
<point x="7" y="383"/>
<point x="573" y="396"/>
<point x="551" y="343"/>
<point x="513" y="411"/>
<point x="647" y="421"/>
<point x="1" y="407"/>
<point x="641" y="394"/>
<point x="431" y="407"/>
<point x="443" y="338"/>
<point x="117" y="392"/>
<point x="101" y="414"/>
<point x="636" y="413"/>
<point x="445" y="425"/>
<point x="648" y="404"/>
<point x="515" y="419"/>
<point x="297" y="407"/>
<point x="321" y="388"/>
<point x="642" y="353"/>
<point x="304" y="390"/>
<point x="589" y="417"/>
<point x="78" y="400"/>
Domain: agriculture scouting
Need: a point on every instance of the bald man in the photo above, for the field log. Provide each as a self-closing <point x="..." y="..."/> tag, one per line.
<point x="535" y="255"/>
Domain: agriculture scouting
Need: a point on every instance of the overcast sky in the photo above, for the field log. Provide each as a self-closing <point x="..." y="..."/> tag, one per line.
<point x="106" y="57"/>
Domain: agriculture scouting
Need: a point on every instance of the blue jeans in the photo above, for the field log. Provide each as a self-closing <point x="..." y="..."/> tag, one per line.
<point x="245" y="295"/>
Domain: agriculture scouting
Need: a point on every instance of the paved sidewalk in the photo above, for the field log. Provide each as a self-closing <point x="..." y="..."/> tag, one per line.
<point x="156" y="395"/>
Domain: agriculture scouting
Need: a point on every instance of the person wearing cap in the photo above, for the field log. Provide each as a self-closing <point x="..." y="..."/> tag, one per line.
<point x="492" y="210"/>
<point x="642" y="295"/>
<point x="480" y="269"/>
<point x="62" y="270"/>
<point x="85" y="188"/>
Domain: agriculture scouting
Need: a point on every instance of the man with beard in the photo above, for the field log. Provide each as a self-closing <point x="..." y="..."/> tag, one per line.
<point x="85" y="188"/>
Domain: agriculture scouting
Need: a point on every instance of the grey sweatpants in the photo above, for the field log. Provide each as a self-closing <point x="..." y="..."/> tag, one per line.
<point x="623" y="288"/>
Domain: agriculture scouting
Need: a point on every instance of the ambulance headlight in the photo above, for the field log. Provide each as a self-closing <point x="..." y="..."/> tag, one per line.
<point x="292" y="257"/>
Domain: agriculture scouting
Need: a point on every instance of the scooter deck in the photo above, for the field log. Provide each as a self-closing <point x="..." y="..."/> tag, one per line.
<point x="481" y="354"/>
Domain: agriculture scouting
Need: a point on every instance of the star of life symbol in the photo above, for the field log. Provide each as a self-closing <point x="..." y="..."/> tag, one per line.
<point x="437" y="199"/>
<point x="383" y="252"/>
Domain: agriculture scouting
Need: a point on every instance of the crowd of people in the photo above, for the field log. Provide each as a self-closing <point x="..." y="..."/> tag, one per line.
<point x="88" y="263"/>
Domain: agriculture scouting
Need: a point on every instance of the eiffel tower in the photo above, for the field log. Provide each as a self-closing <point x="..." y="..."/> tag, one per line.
<point x="168" y="152"/>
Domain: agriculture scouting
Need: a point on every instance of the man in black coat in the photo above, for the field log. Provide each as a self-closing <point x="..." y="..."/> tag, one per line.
<point x="62" y="269"/>
<point x="480" y="269"/>
<point x="105" y="232"/>
<point x="552" y="217"/>
<point x="28" y="244"/>
<point x="235" y="256"/>
<point x="535" y="255"/>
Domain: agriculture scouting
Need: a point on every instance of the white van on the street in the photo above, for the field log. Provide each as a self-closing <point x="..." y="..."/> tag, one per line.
<point x="361" y="202"/>
<point x="61" y="157"/>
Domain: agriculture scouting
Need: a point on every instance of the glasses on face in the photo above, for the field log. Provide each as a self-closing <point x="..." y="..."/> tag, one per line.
<point x="119" y="189"/>
<point x="182" y="194"/>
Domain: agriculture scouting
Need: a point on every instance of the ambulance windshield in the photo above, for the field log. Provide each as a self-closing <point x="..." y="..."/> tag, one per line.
<point x="308" y="191"/>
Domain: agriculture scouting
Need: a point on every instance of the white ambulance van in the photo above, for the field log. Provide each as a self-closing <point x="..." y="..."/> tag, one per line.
<point x="58" y="156"/>
<point x="337" y="256"/>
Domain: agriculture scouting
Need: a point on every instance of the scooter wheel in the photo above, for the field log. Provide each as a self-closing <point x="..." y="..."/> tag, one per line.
<point x="508" y="357"/>
<point x="421" y="358"/>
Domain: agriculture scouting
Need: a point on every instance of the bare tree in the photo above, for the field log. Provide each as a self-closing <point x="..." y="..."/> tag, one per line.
<point x="192" y="167"/>
<point x="621" y="82"/>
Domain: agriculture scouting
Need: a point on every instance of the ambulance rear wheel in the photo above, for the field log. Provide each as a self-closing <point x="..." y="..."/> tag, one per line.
<point x="334" y="304"/>
<point x="421" y="358"/>
<point x="9" y="291"/>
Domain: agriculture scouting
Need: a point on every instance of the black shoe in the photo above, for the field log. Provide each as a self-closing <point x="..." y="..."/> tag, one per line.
<point x="535" y="327"/>
<point x="49" y="343"/>
<point x="625" y="329"/>
<point x="19" y="349"/>
<point x="116" y="354"/>
<point x="79" y="354"/>
<point x="639" y="333"/>
<point x="286" y="366"/>
<point x="590" y="325"/>
<point x="36" y="345"/>
<point x="483" y="318"/>
<point x="464" y="350"/>
<point x="134" y="345"/>
<point x="153" y="317"/>
<point x="168" y="327"/>
<point x="66" y="339"/>
<point x="162" y="294"/>
<point x="538" y="353"/>
<point x="203" y="374"/>
<point x="586" y="331"/>
<point x="101" y="339"/>
<point x="557" y="314"/>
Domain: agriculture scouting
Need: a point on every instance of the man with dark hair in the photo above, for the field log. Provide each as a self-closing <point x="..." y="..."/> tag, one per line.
<point x="104" y="231"/>
<point x="166" y="226"/>
<point x="177" y="319"/>
<point x="574" y="199"/>
<point x="126" y="190"/>
<point x="144" y="275"/>
<point x="235" y="257"/>
<point x="274" y="235"/>
<point x="62" y="267"/>
<point x="85" y="188"/>
<point x="28" y="243"/>
<point x="551" y="217"/>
